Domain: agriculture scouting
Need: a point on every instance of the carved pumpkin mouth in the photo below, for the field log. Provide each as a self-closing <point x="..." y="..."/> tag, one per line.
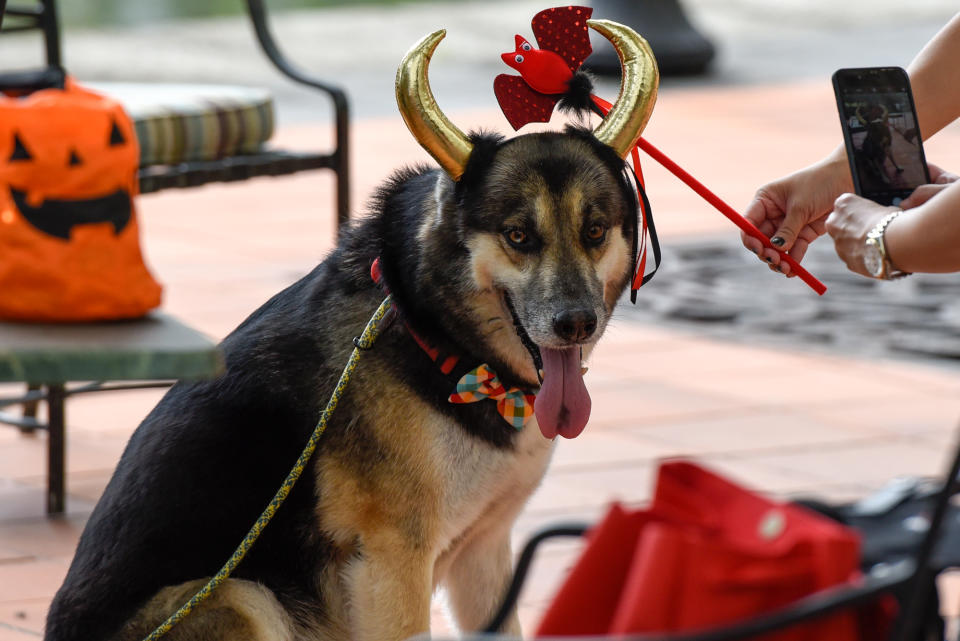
<point x="58" y="217"/>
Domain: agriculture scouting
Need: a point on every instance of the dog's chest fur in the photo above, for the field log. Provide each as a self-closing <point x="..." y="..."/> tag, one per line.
<point x="435" y="482"/>
<point x="486" y="486"/>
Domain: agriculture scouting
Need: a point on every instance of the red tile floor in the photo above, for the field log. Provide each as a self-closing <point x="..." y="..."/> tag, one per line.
<point x="783" y="421"/>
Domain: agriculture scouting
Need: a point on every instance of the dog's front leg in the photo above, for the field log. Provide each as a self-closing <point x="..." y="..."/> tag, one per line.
<point x="477" y="582"/>
<point x="389" y="588"/>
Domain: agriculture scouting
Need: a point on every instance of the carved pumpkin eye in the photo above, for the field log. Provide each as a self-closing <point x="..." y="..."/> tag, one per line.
<point x="19" y="150"/>
<point x="519" y="58"/>
<point x="74" y="158"/>
<point x="116" y="136"/>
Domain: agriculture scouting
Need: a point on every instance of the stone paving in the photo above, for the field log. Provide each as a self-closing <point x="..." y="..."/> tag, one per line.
<point x="711" y="287"/>
<point x="742" y="387"/>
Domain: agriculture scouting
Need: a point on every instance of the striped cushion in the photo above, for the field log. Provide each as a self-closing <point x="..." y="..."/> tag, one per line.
<point x="177" y="123"/>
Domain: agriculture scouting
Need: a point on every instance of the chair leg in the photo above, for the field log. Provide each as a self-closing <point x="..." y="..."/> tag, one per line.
<point x="30" y="410"/>
<point x="56" y="446"/>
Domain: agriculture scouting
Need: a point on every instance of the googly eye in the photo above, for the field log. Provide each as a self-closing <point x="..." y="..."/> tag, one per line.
<point x="526" y="46"/>
<point x="519" y="58"/>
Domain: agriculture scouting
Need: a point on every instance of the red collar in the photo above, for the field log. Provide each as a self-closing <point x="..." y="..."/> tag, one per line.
<point x="444" y="360"/>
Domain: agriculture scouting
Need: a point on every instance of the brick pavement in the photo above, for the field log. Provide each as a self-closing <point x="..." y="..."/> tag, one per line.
<point x="786" y="421"/>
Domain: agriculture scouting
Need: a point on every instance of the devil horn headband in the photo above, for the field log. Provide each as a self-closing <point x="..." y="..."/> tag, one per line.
<point x="620" y="129"/>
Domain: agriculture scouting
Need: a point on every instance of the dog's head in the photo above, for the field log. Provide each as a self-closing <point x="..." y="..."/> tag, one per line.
<point x="547" y="223"/>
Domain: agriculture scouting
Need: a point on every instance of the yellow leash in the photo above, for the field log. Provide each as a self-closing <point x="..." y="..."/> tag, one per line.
<point x="370" y="334"/>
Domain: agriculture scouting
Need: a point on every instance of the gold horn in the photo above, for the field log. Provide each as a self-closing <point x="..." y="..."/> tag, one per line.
<point x="621" y="128"/>
<point x="434" y="131"/>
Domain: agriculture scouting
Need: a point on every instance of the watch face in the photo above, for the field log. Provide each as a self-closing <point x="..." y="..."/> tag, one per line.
<point x="872" y="258"/>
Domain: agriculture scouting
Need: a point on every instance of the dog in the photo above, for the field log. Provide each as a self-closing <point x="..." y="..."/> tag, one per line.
<point x="510" y="257"/>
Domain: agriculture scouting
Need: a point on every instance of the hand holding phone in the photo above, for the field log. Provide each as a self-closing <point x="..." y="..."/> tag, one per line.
<point x="881" y="134"/>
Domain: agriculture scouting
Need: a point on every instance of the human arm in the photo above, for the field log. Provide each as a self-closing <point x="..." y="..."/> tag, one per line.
<point x="924" y="238"/>
<point x="792" y="210"/>
<point x="935" y="79"/>
<point x="928" y="239"/>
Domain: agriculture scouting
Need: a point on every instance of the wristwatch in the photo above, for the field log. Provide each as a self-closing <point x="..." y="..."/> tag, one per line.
<point x="875" y="257"/>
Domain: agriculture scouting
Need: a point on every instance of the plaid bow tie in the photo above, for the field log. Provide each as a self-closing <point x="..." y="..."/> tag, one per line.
<point x="514" y="405"/>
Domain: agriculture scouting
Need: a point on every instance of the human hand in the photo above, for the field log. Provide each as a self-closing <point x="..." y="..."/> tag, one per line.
<point x="849" y="223"/>
<point x="941" y="176"/>
<point x="941" y="180"/>
<point x="922" y="194"/>
<point x="793" y="210"/>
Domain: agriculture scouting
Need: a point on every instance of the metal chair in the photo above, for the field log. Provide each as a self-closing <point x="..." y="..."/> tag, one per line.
<point x="42" y="16"/>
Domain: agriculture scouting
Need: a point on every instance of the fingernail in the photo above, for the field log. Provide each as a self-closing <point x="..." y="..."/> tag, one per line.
<point x="768" y="259"/>
<point x="776" y="240"/>
<point x="779" y="269"/>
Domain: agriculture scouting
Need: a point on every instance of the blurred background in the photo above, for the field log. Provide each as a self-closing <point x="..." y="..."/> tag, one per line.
<point x="861" y="386"/>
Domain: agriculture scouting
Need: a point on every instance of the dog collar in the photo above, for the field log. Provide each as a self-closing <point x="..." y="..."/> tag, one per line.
<point x="481" y="383"/>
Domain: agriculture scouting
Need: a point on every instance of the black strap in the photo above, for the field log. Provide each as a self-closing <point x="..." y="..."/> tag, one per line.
<point x="652" y="233"/>
<point x="654" y="241"/>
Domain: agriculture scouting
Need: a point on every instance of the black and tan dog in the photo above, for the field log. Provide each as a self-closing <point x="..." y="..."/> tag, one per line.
<point x="407" y="491"/>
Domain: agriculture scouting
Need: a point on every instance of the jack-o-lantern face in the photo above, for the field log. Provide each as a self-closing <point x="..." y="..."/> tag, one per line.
<point x="57" y="216"/>
<point x="69" y="241"/>
<point x="67" y="161"/>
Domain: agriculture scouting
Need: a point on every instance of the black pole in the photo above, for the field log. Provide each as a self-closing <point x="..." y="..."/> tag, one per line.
<point x="56" y="449"/>
<point x="51" y="33"/>
<point x="912" y="617"/>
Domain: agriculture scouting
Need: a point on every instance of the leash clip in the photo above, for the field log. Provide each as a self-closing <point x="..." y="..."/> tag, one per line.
<point x="389" y="316"/>
<point x="359" y="345"/>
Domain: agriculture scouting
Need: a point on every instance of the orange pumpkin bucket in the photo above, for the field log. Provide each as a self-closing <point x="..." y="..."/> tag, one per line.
<point x="69" y="239"/>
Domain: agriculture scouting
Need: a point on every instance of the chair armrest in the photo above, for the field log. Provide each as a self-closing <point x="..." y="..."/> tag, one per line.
<point x="258" y="16"/>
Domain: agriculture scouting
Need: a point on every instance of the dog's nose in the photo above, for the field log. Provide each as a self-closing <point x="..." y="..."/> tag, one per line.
<point x="575" y="325"/>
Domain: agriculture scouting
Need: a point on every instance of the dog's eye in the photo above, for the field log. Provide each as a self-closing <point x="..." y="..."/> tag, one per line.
<point x="516" y="237"/>
<point x="596" y="233"/>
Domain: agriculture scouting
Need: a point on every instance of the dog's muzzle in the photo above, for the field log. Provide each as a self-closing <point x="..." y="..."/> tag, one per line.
<point x="563" y="404"/>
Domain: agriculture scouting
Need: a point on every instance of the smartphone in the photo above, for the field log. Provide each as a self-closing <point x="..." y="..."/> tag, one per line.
<point x="881" y="133"/>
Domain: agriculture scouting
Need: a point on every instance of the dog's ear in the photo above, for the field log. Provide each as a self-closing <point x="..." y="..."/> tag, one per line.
<point x="618" y="167"/>
<point x="606" y="153"/>
<point x="485" y="146"/>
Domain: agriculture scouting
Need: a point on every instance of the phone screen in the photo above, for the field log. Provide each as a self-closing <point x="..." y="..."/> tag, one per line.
<point x="881" y="133"/>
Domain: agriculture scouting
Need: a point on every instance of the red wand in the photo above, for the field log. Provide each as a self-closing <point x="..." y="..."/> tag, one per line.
<point x="734" y="216"/>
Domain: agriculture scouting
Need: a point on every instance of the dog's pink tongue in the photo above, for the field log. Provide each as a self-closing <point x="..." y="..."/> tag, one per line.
<point x="563" y="403"/>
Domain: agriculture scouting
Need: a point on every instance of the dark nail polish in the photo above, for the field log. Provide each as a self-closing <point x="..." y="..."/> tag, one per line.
<point x="768" y="259"/>
<point x="776" y="240"/>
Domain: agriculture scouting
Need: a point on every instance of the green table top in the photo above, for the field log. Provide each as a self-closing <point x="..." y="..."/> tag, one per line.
<point x="154" y="347"/>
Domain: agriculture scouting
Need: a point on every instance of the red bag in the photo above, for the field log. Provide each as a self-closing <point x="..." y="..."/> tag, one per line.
<point x="707" y="552"/>
<point x="69" y="241"/>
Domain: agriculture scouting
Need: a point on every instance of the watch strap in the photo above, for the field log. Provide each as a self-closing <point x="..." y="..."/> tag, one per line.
<point x="889" y="271"/>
